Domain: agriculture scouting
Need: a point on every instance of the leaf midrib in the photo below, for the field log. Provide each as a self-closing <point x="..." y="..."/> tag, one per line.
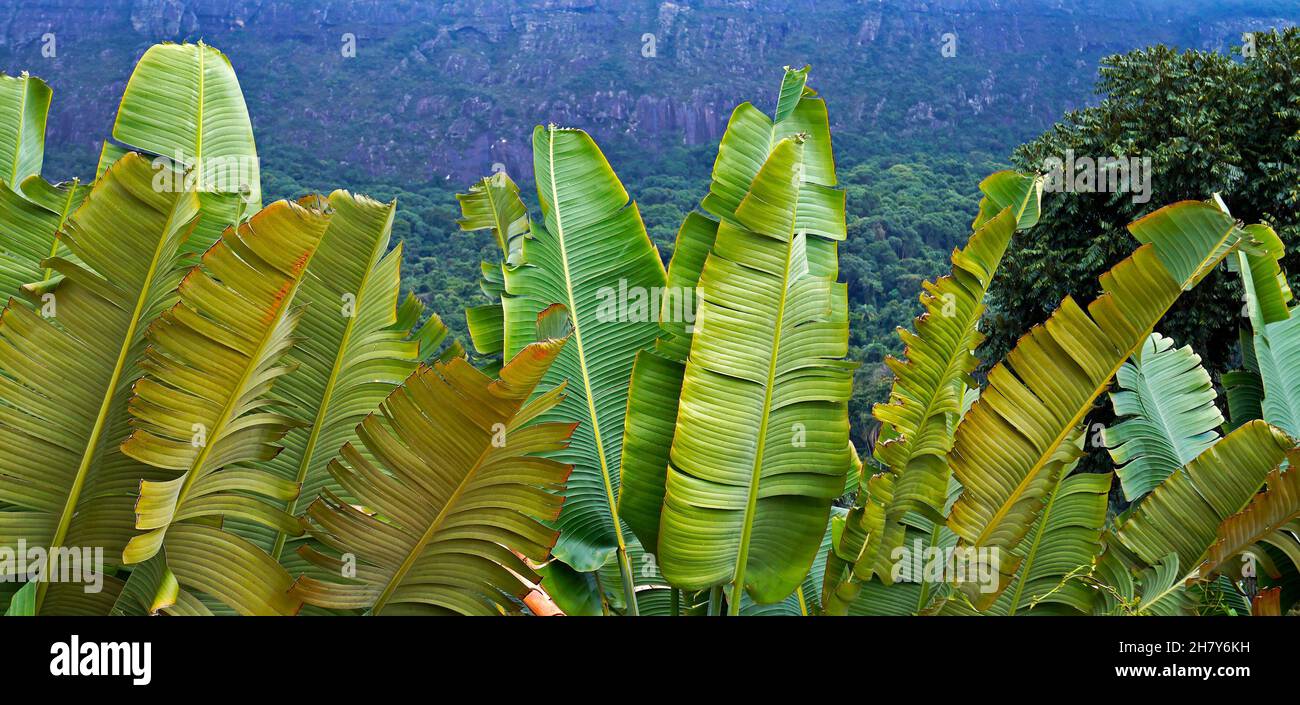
<point x="395" y="581"/>
<point x="110" y="392"/>
<point x="500" y="231"/>
<point x="954" y="360"/>
<point x="589" y="394"/>
<point x="304" y="465"/>
<point x="1032" y="555"/>
<point x="254" y="361"/>
<point x="751" y="502"/>
<point x="198" y="134"/>
<point x="1050" y="450"/>
<point x="63" y="219"/>
<point x="1170" y="432"/>
<point x="952" y="365"/>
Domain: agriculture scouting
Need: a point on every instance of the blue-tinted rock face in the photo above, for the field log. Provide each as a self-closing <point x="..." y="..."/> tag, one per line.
<point x="447" y="89"/>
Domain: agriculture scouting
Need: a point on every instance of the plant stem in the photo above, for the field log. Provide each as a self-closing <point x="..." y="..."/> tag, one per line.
<point x="629" y="585"/>
<point x="600" y="590"/>
<point x="715" y="601"/>
<point x="925" y="584"/>
<point x="676" y="602"/>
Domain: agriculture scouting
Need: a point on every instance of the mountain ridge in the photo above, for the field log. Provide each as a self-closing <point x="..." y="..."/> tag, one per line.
<point x="446" y="90"/>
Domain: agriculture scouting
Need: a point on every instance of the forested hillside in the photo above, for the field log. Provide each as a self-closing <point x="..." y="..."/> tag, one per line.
<point x="381" y="329"/>
<point x="926" y="99"/>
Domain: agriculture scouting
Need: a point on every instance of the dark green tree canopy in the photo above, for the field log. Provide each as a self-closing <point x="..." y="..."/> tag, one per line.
<point x="1210" y="123"/>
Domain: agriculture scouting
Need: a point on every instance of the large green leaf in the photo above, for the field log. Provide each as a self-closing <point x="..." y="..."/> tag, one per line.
<point x="183" y="102"/>
<point x="455" y="487"/>
<point x="58" y="440"/>
<point x="24" y="104"/>
<point x="590" y="254"/>
<point x="32" y="210"/>
<point x="1267" y="333"/>
<point x="1277" y="349"/>
<point x="1268" y="387"/>
<point x="1267" y="292"/>
<point x="761" y="446"/>
<point x="647" y="438"/>
<point x="1060" y="549"/>
<point x="1005" y="451"/>
<point x="1182" y="515"/>
<point x="657" y="384"/>
<point x="806" y="600"/>
<point x="494" y="204"/>
<point x="848" y="538"/>
<point x="1271" y="512"/>
<point x="920" y="418"/>
<point x="656" y="387"/>
<point x="602" y="592"/>
<point x="1022" y="193"/>
<point x="751" y="137"/>
<point x="576" y="594"/>
<point x="1167" y="401"/>
<point x="30" y="220"/>
<point x="352" y="351"/>
<point x="204" y="411"/>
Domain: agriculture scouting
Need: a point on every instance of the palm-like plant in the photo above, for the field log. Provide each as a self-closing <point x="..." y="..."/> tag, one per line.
<point x="723" y="407"/>
<point x="590" y="245"/>
<point x="762" y="425"/>
<point x="1269" y="387"/>
<point x="930" y="389"/>
<point x="1168" y="432"/>
<point x="276" y="390"/>
<point x="655" y="394"/>
<point x="1008" y="450"/>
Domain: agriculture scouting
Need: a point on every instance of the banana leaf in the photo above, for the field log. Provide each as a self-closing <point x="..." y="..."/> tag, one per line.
<point x="1005" y="451"/>
<point x="205" y="413"/>
<point x="456" y="487"/>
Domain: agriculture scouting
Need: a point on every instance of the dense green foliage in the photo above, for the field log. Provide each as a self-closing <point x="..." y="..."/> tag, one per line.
<point x="1210" y="123"/>
<point x="916" y="131"/>
<point x="462" y="483"/>
<point x="904" y="216"/>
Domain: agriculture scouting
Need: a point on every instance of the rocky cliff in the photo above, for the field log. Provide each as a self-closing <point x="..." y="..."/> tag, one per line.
<point x="443" y="90"/>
